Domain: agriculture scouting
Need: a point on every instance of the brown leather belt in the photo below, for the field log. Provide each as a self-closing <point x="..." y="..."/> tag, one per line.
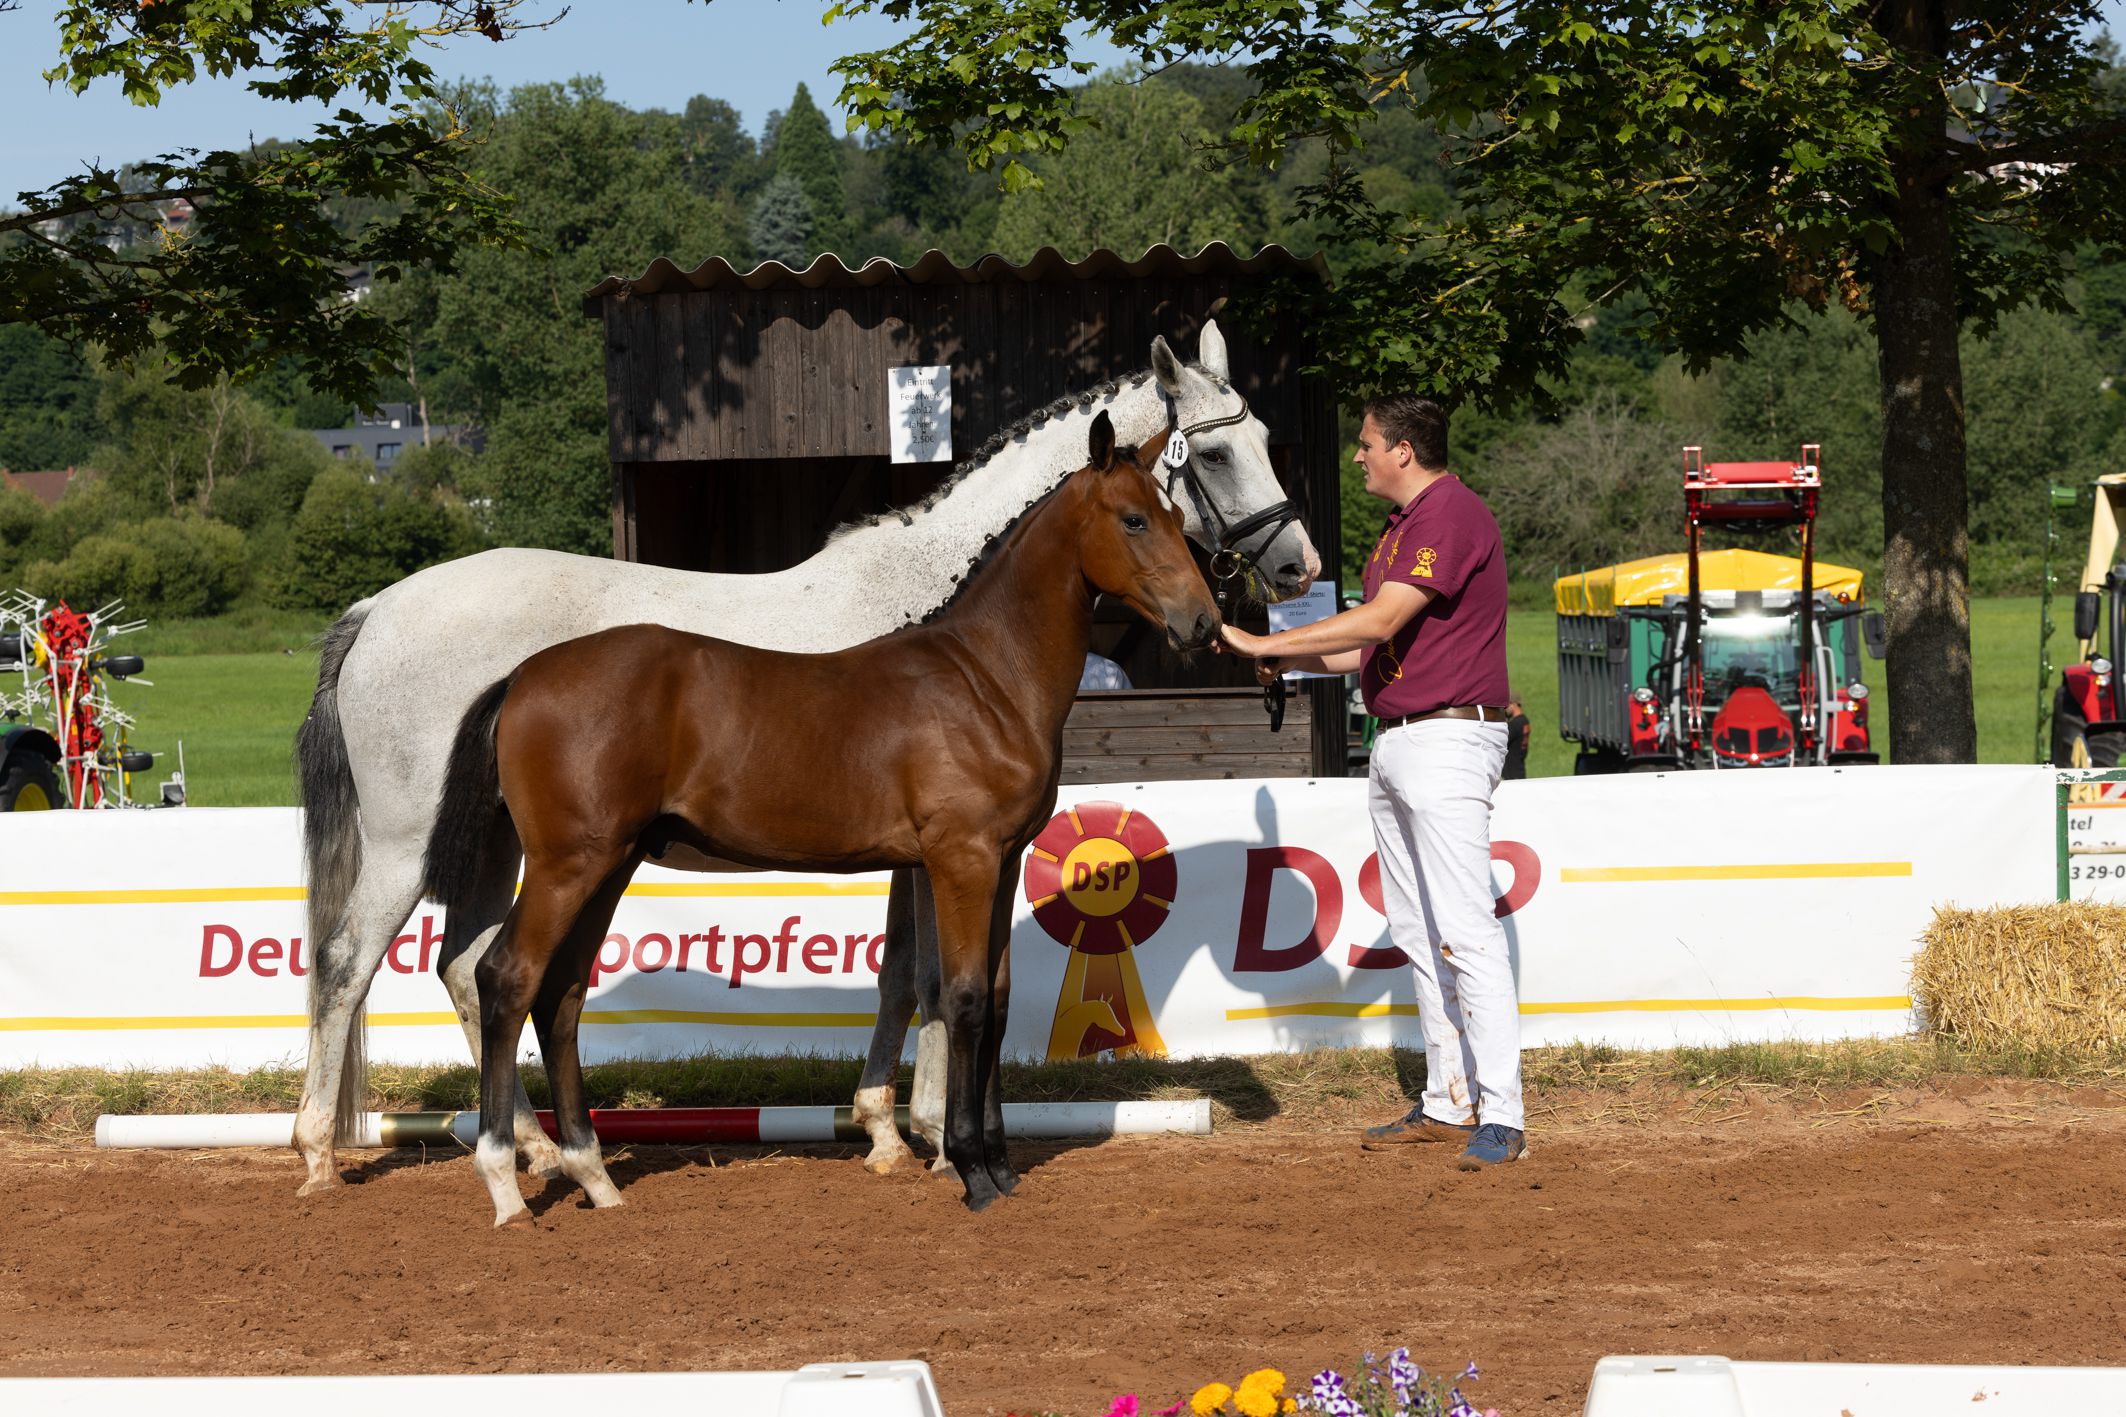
<point x="1480" y="713"/>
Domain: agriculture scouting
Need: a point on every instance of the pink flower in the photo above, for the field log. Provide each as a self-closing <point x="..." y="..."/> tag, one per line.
<point x="1125" y="1406"/>
<point x="1179" y="1403"/>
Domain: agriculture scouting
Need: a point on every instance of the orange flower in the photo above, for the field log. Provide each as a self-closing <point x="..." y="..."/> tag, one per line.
<point x="1209" y="1398"/>
<point x="1259" y="1393"/>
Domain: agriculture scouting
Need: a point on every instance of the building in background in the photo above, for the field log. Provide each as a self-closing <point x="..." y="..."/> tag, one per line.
<point x="47" y="487"/>
<point x="381" y="434"/>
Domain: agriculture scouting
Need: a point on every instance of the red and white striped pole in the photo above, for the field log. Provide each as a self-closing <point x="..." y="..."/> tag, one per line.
<point x="671" y="1126"/>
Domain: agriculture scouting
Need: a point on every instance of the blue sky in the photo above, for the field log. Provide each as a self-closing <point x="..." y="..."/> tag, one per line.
<point x="652" y="54"/>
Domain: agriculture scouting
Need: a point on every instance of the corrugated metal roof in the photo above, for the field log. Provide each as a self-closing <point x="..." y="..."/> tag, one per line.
<point x="936" y="268"/>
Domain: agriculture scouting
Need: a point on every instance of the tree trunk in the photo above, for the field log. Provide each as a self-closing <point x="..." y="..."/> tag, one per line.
<point x="1925" y="493"/>
<point x="1925" y="500"/>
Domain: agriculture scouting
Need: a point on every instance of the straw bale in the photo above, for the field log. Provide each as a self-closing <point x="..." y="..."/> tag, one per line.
<point x="2038" y="977"/>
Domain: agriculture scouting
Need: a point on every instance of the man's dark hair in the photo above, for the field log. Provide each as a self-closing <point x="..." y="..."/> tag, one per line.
<point x="1408" y="418"/>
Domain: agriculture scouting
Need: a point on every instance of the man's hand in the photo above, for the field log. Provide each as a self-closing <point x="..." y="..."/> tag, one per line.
<point x="1234" y="640"/>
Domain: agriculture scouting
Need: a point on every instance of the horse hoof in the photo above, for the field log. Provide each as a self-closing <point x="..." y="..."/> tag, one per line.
<point x="317" y="1184"/>
<point x="882" y="1162"/>
<point x="1005" y="1181"/>
<point x="543" y="1167"/>
<point x="980" y="1200"/>
<point x="522" y="1220"/>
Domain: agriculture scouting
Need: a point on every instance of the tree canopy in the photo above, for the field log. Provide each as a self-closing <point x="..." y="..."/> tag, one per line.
<point x="233" y="259"/>
<point x="1921" y="164"/>
<point x="1138" y="179"/>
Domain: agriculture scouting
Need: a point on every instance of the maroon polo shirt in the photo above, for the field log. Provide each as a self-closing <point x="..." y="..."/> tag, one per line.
<point x="1454" y="650"/>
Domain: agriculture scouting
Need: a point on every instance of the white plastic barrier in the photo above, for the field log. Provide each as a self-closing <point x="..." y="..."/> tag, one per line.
<point x="1715" y="1387"/>
<point x="1185" y="1117"/>
<point x="904" y="1389"/>
<point x="1186" y="918"/>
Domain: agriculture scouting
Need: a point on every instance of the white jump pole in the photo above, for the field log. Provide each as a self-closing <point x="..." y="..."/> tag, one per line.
<point x="677" y="1125"/>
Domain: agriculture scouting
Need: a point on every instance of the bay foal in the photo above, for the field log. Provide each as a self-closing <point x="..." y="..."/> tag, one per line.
<point x="938" y="746"/>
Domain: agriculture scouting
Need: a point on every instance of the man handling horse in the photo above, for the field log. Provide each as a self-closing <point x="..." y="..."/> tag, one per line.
<point x="1429" y="645"/>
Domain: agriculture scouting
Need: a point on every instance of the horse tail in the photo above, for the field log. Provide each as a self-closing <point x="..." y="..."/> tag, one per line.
<point x="472" y="807"/>
<point x="332" y="842"/>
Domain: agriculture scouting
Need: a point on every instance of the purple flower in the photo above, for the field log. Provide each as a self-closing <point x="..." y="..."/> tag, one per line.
<point x="1330" y="1397"/>
<point x="1469" y="1372"/>
<point x="1402" y="1373"/>
<point x="1461" y="1407"/>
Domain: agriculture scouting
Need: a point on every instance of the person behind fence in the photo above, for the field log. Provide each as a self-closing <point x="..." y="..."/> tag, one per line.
<point x="1101" y="673"/>
<point x="1429" y="645"/>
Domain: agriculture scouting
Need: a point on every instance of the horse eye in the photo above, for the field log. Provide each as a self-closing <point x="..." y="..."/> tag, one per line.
<point x="1133" y="522"/>
<point x="1214" y="455"/>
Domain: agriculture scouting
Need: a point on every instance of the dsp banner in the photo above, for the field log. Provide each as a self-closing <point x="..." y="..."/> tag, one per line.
<point x="1185" y="919"/>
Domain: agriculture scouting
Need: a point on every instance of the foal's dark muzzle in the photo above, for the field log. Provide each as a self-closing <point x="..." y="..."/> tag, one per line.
<point x="1199" y="632"/>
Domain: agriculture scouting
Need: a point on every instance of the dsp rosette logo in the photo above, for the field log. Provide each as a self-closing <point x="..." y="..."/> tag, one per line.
<point x="1101" y="880"/>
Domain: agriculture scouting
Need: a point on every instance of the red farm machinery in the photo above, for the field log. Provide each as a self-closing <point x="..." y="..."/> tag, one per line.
<point x="2088" y="726"/>
<point x="82" y="758"/>
<point x="1729" y="658"/>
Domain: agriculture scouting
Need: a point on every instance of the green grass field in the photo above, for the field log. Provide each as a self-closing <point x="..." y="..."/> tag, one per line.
<point x="236" y="716"/>
<point x="236" y="713"/>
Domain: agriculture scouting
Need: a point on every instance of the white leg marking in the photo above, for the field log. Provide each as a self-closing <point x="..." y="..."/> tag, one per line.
<point x="926" y="1098"/>
<point x="585" y="1165"/>
<point x="873" y="1110"/>
<point x="496" y="1163"/>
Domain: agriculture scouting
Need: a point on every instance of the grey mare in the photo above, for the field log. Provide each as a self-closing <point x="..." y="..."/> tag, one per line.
<point x="399" y="670"/>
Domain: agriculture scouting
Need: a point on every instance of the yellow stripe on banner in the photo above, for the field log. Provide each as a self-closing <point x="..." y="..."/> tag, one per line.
<point x="1754" y="871"/>
<point x="756" y="1020"/>
<point x="1335" y="1009"/>
<point x="205" y="895"/>
<point x="177" y="895"/>
<point x="1804" y="1003"/>
<point x="1323" y="1010"/>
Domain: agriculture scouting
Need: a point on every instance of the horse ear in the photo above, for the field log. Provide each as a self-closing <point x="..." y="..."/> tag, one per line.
<point x="1210" y="351"/>
<point x="1101" y="445"/>
<point x="1165" y="367"/>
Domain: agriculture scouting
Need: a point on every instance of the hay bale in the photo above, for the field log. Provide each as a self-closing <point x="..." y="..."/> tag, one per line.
<point x="2035" y="977"/>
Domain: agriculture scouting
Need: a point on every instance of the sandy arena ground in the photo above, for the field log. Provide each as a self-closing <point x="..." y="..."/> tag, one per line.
<point x="1985" y="1224"/>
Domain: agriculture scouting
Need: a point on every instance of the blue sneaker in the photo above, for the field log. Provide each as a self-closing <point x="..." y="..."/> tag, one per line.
<point x="1493" y="1145"/>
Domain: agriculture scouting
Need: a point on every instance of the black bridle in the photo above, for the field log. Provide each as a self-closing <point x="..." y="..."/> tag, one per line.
<point x="1229" y="563"/>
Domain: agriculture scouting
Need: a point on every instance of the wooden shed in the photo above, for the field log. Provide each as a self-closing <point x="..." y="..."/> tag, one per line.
<point x="748" y="418"/>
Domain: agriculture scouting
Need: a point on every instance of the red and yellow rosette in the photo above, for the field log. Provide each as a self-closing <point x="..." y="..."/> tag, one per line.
<point x="1101" y="881"/>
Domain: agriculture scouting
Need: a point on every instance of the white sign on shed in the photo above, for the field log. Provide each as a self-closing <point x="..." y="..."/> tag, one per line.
<point x="919" y="411"/>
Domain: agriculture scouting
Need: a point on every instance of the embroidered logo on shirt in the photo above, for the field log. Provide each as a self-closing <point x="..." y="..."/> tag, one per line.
<point x="1422" y="564"/>
<point x="1393" y="550"/>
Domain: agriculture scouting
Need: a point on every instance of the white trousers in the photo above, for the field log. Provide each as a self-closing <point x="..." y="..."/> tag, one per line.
<point x="1430" y="797"/>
